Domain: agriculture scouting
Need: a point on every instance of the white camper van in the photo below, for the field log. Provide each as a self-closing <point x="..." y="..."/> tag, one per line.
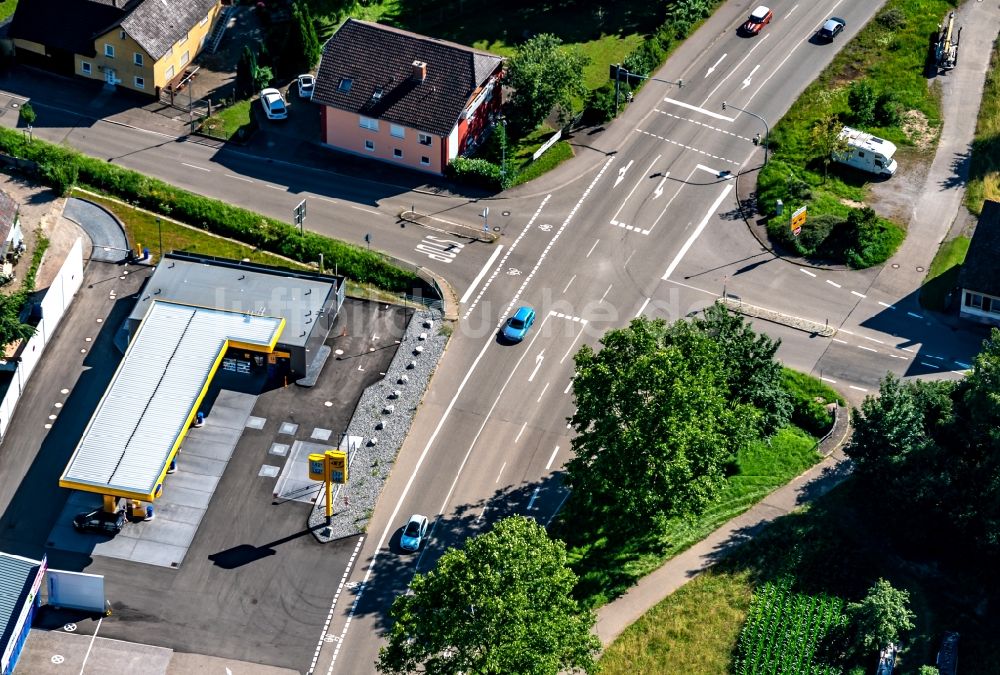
<point x="867" y="152"/>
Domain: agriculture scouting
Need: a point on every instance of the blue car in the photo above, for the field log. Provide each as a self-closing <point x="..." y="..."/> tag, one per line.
<point x="414" y="533"/>
<point x="517" y="326"/>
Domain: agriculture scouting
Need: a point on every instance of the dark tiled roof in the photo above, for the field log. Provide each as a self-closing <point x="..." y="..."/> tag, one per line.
<point x="8" y="212"/>
<point x="157" y="24"/>
<point x="980" y="271"/>
<point x="376" y="57"/>
<point x="71" y="25"/>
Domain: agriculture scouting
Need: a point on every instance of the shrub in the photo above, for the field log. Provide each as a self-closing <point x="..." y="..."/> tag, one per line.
<point x="815" y="232"/>
<point x="892" y="19"/>
<point x="810" y="397"/>
<point x="888" y="109"/>
<point x="873" y="240"/>
<point x="600" y="106"/>
<point x="645" y="58"/>
<point x="28" y="115"/>
<point x="861" y="99"/>
<point x="480" y="172"/>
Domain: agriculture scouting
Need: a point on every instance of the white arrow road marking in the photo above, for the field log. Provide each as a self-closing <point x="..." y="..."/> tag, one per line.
<point x="621" y="172"/>
<point x="538" y="364"/>
<point x="716" y="88"/>
<point x="659" y="188"/>
<point x="746" y="82"/>
<point x="714" y="65"/>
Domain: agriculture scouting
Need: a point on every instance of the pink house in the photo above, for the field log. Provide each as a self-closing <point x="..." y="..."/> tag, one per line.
<point x="404" y="98"/>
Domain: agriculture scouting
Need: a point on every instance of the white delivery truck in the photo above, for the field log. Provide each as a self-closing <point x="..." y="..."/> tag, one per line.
<point x="866" y="152"/>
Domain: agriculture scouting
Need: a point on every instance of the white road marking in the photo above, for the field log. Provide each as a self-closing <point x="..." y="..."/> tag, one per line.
<point x="614" y="219"/>
<point x="873" y="339"/>
<point x="937" y="358"/>
<point x="716" y="64"/>
<point x="628" y="258"/>
<point x="694" y="235"/>
<point x="327" y="199"/>
<point x="843" y="342"/>
<point x="479" y="277"/>
<point x="501" y="471"/>
<point x="242" y="178"/>
<point x="959" y="372"/>
<point x="593" y="247"/>
<point x="867" y="349"/>
<point x="83" y="666"/>
<point x="807" y="272"/>
<point x="730" y="73"/>
<point x="570" y="386"/>
<point x="518" y="437"/>
<point x="278" y="187"/>
<point x="538" y="364"/>
<point x="908" y="349"/>
<point x="552" y="458"/>
<point x="584" y="324"/>
<point x="689" y="147"/>
<point x="621" y="172"/>
<point x="658" y="190"/>
<point x="702" y="124"/>
<point x="746" y="81"/>
<point x="544" y="389"/>
<point x="534" y="496"/>
<point x="481" y="514"/>
<point x="798" y="44"/>
<point x="794" y="8"/>
<point x="643" y="308"/>
<point x="833" y="283"/>
<point x="930" y="365"/>
<point x="200" y="168"/>
<point x="568" y="283"/>
<point x="671" y="201"/>
<point x="964" y="365"/>
<point x="606" y="292"/>
<point x="914" y="315"/>
<point x="360" y="208"/>
<point x="860" y="295"/>
<point x="827" y="379"/>
<point x="858" y="388"/>
<point x="333" y="604"/>
<point x="699" y="109"/>
<point x="885" y="304"/>
<point x="715" y="172"/>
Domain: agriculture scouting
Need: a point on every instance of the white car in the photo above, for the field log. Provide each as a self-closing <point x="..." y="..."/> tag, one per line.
<point x="274" y="104"/>
<point x="306" y="85"/>
<point x="414" y="533"/>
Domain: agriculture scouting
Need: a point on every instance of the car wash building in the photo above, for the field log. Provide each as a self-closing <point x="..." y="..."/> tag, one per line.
<point x="194" y="314"/>
<point x="20" y="583"/>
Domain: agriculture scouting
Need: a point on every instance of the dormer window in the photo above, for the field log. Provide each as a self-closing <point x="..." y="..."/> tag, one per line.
<point x="345" y="84"/>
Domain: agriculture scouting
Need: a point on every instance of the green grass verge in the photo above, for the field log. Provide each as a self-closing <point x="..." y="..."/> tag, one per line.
<point x="228" y="121"/>
<point x="7" y="8"/>
<point x="528" y="169"/>
<point x="943" y="275"/>
<point x="692" y="631"/>
<point x="984" y="167"/>
<point x="890" y="54"/>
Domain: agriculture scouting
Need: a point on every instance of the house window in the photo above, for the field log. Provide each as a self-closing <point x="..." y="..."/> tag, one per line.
<point x="137" y="59"/>
<point x="397" y="153"/>
<point x="85" y="67"/>
<point x="185" y="57"/>
<point x="140" y="83"/>
<point x="109" y="51"/>
<point x="973" y="300"/>
<point x="345" y="84"/>
<point x="426" y="161"/>
<point x="397" y="131"/>
<point x="368" y="123"/>
<point x="424" y="139"/>
<point x="370" y="145"/>
<point x="170" y="73"/>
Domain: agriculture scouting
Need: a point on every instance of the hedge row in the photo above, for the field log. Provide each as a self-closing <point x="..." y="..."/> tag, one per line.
<point x="63" y="167"/>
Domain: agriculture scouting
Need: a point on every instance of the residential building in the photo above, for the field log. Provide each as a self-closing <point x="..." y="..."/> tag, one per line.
<point x="143" y="45"/>
<point x="404" y="98"/>
<point x="980" y="276"/>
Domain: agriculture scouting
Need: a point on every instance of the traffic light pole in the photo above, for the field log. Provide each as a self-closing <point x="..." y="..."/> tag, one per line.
<point x="616" y="73"/>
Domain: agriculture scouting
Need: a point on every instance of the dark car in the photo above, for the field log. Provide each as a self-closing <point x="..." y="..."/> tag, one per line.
<point x="760" y="17"/>
<point x="100" y="522"/>
<point x="832" y="28"/>
<point x="517" y="326"/>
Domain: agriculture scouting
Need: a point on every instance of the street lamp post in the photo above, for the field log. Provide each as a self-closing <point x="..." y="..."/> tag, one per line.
<point x="767" y="130"/>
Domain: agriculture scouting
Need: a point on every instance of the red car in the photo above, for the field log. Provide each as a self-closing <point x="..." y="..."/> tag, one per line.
<point x="759" y="18"/>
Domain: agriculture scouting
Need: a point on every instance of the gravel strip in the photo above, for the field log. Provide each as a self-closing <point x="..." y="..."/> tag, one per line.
<point x="400" y="391"/>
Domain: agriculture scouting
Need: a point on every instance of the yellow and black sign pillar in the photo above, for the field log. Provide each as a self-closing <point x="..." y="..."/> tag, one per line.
<point x="330" y="468"/>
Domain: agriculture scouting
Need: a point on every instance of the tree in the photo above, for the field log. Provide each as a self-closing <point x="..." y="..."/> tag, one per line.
<point x="246" y="71"/>
<point x="654" y="429"/>
<point x="751" y="372"/>
<point x="826" y="141"/>
<point x="861" y="100"/>
<point x="12" y="328"/>
<point x="299" y="48"/>
<point x="543" y="75"/>
<point x="502" y="604"/>
<point x="881" y="617"/>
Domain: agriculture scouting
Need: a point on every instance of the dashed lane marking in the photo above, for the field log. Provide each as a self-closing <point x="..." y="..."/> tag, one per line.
<point x="807" y="272"/>
<point x="701" y="124"/>
<point x="833" y="283"/>
<point x="688" y="147"/>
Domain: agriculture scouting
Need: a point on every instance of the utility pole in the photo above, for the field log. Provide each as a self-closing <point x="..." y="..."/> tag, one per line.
<point x="767" y="131"/>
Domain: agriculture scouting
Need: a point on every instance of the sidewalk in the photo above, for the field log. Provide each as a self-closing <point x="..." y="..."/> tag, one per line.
<point x="619" y="614"/>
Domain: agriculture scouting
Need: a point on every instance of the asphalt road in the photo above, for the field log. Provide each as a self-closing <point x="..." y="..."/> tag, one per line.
<point x="641" y="222"/>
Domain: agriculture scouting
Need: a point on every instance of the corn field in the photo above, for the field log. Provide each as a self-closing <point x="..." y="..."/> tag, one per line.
<point x="783" y="629"/>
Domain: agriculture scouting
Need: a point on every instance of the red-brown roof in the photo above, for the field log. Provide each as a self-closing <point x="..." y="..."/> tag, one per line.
<point x="378" y="62"/>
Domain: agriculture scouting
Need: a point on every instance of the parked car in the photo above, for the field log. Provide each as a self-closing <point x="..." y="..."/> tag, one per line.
<point x="414" y="533"/>
<point x="100" y="522"/>
<point x="760" y="17"/>
<point x="306" y="85"/>
<point x="831" y="29"/>
<point x="518" y="325"/>
<point x="273" y="104"/>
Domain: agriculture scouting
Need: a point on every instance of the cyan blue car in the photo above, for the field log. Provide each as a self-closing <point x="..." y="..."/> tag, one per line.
<point x="517" y="326"/>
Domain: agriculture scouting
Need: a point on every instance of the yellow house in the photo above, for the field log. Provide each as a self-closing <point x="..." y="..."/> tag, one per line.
<point x="143" y="45"/>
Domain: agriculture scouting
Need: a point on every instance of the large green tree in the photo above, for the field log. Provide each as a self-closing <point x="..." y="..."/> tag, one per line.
<point x="881" y="617"/>
<point x="655" y="431"/>
<point x="12" y="328"/>
<point x="299" y="49"/>
<point x="543" y="75"/>
<point x="502" y="604"/>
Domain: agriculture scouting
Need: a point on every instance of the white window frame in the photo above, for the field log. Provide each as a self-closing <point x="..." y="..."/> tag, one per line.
<point x="397" y="153"/>
<point x="86" y="68"/>
<point x="369" y="145"/>
<point x="425" y="139"/>
<point x="137" y="59"/>
<point x="139" y="82"/>
<point x="369" y="123"/>
<point x="425" y="161"/>
<point x="182" y="40"/>
<point x="109" y="50"/>
<point x="185" y="57"/>
<point x="170" y="73"/>
<point x="397" y="131"/>
<point x="203" y="21"/>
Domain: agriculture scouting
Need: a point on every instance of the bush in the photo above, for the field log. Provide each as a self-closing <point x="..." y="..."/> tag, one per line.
<point x="892" y="19"/>
<point x="645" y="58"/>
<point x="815" y="233"/>
<point x="600" y="106"/>
<point x="28" y="115"/>
<point x="481" y="172"/>
<point x="810" y="398"/>
<point x="872" y="240"/>
<point x="861" y="100"/>
<point x="888" y="109"/>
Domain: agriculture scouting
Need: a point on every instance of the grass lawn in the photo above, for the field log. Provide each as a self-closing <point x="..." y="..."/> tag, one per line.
<point x="528" y="169"/>
<point x="835" y="548"/>
<point x="984" y="168"/>
<point x="943" y="275"/>
<point x="890" y="53"/>
<point x="7" y="8"/>
<point x="691" y="631"/>
<point x="608" y="566"/>
<point x="228" y="121"/>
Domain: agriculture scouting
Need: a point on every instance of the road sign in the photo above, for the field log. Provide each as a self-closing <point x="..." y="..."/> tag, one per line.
<point x="798" y="220"/>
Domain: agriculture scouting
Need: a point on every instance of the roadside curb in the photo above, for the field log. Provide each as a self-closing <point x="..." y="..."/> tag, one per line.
<point x="805" y="325"/>
<point x="456" y="229"/>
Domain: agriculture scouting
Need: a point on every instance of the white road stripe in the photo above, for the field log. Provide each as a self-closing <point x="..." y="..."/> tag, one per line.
<point x="200" y="168"/>
<point x="593" y="247"/>
<point x="914" y="315"/>
<point x="479" y="277"/>
<point x="701" y="110"/>
<point x="860" y="295"/>
<point x="552" y="458"/>
<point x="807" y="272"/>
<point x="885" y="304"/>
<point x="930" y="365"/>
<point x="643" y="308"/>
<point x="827" y="379"/>
<point x="833" y="283"/>
<point x="694" y="235"/>
<point x="867" y="349"/>
<point x="858" y="388"/>
<point x="544" y="389"/>
<point x="242" y="178"/>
